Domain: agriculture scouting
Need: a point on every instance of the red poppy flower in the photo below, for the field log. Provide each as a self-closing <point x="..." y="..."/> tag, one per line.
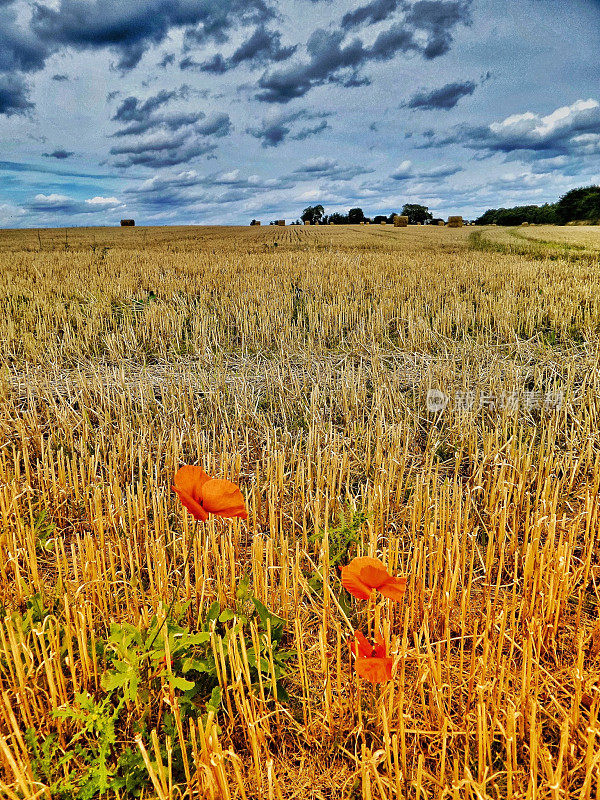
<point x="202" y="495"/>
<point x="362" y="575"/>
<point x="371" y="663"/>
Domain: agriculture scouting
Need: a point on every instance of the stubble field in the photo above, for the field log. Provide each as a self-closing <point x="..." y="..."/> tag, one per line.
<point x="296" y="362"/>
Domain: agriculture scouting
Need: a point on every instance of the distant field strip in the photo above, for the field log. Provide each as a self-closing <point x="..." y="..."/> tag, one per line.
<point x="540" y="240"/>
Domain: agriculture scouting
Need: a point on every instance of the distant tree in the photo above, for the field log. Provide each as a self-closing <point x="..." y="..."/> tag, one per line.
<point x="312" y="214"/>
<point x="254" y="222"/>
<point x="545" y="215"/>
<point x="416" y="213"/>
<point x="579" y="204"/>
<point x="391" y="216"/>
<point x="379" y="218"/>
<point x="338" y="219"/>
<point x="356" y="216"/>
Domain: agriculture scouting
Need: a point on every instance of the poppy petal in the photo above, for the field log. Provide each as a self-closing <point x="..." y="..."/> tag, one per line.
<point x="358" y="564"/>
<point x="374" y="670"/>
<point x="192" y="506"/>
<point x="353" y="584"/>
<point x="394" y="588"/>
<point x="361" y="647"/>
<point x="223" y="498"/>
<point x="374" y="575"/>
<point x="379" y="650"/>
<point x="190" y="479"/>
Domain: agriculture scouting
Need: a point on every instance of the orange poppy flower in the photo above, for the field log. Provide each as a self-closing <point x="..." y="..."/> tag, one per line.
<point x="371" y="663"/>
<point x="202" y="495"/>
<point x="362" y="575"/>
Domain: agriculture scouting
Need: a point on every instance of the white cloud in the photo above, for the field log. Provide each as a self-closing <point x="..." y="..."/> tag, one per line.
<point x="52" y="200"/>
<point x="104" y="202"/>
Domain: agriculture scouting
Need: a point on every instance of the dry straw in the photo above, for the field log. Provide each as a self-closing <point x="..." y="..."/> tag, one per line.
<point x="300" y="373"/>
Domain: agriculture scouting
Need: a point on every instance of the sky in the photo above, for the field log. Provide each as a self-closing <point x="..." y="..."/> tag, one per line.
<point x="219" y="111"/>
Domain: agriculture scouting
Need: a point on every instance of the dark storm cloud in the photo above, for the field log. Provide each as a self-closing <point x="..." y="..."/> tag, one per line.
<point x="59" y="154"/>
<point x="397" y="39"/>
<point x="126" y="28"/>
<point x="571" y="130"/>
<point x="143" y="117"/>
<point x="172" y="122"/>
<point x="327" y="57"/>
<point x="160" y="143"/>
<point x="426" y="29"/>
<point x="444" y="98"/>
<point x="377" y="11"/>
<point x="237" y="12"/>
<point x="264" y="46"/>
<point x="216" y="64"/>
<point x="219" y="125"/>
<point x="167" y="153"/>
<point x="20" y="48"/>
<point x="272" y="132"/>
<point x="130" y="28"/>
<point x="438" y="18"/>
<point x="133" y="110"/>
<point x="13" y="95"/>
<point x="169" y="148"/>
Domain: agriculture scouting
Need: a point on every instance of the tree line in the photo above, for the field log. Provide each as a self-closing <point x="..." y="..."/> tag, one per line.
<point x="416" y="214"/>
<point x="582" y="204"/>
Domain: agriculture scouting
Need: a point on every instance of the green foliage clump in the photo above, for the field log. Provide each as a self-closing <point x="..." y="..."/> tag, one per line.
<point x="539" y="215"/>
<point x="577" y="205"/>
<point x="138" y="663"/>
